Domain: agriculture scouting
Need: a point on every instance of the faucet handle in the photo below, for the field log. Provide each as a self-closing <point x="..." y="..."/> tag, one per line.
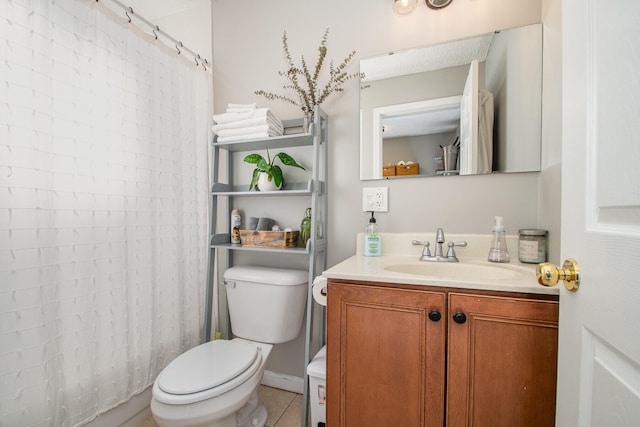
<point x="451" y="253"/>
<point x="419" y="243"/>
<point x="426" y="252"/>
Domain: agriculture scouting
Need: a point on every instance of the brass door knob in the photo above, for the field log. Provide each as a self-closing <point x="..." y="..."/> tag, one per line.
<point x="549" y="275"/>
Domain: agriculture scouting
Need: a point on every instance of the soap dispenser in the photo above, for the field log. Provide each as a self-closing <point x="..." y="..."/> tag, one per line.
<point x="372" y="239"/>
<point x="498" y="251"/>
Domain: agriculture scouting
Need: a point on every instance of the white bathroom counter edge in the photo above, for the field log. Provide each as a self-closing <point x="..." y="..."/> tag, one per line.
<point x="373" y="269"/>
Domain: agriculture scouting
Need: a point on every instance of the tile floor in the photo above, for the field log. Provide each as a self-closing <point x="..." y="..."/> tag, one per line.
<point x="284" y="408"/>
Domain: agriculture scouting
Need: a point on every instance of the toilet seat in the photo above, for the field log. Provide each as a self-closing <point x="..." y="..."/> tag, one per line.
<point x="207" y="371"/>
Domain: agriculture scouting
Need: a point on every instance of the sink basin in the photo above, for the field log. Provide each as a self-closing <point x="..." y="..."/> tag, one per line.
<point x="465" y="271"/>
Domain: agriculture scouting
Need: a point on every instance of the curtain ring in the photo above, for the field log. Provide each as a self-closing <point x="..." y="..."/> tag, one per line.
<point x="154" y="31"/>
<point x="126" y="12"/>
<point x="179" y="44"/>
<point x="196" y="59"/>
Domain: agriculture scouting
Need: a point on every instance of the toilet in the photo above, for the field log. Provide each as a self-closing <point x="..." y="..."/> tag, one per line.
<point x="216" y="383"/>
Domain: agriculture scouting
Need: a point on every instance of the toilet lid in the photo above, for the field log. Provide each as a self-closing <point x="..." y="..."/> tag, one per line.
<point x="206" y="366"/>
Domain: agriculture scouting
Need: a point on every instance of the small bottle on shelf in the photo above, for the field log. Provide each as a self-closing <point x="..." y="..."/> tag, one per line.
<point x="236" y="220"/>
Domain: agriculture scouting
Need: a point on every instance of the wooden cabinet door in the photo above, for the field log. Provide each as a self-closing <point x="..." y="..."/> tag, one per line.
<point x="501" y="367"/>
<point x="385" y="357"/>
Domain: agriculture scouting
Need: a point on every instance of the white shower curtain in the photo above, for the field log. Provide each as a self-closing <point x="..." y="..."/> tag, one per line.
<point x="103" y="209"/>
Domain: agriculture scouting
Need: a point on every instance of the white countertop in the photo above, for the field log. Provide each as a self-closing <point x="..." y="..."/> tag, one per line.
<point x="399" y="257"/>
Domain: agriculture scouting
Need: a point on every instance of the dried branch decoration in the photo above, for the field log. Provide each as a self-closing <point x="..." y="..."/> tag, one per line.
<point x="300" y="79"/>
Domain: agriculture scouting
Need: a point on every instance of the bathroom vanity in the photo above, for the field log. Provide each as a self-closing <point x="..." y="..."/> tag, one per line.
<point x="414" y="343"/>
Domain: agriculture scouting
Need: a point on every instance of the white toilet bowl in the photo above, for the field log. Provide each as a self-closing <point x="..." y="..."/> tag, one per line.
<point x="215" y="384"/>
<point x="191" y="392"/>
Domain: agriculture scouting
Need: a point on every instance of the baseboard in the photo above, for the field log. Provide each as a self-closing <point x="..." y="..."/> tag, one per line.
<point x="283" y="382"/>
<point x="128" y="414"/>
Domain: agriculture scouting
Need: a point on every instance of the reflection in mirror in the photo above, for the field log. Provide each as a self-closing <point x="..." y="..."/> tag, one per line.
<point x="466" y="107"/>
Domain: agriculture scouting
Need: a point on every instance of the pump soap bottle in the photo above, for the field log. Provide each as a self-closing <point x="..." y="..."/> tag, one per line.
<point x="498" y="251"/>
<point x="372" y="239"/>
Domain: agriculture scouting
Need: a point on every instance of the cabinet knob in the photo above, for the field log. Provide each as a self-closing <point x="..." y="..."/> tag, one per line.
<point x="435" y="315"/>
<point x="459" y="317"/>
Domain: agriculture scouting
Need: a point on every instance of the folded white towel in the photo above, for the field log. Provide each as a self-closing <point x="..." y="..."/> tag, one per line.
<point x="270" y="114"/>
<point x="244" y="137"/>
<point x="250" y="130"/>
<point x="254" y="121"/>
<point x="240" y="110"/>
<point x="232" y="117"/>
<point x="252" y="106"/>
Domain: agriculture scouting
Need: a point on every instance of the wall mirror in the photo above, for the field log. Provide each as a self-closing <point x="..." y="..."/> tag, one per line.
<point x="465" y="107"/>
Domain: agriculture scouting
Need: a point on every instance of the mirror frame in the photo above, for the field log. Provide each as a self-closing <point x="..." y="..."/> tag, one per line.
<point x="371" y="144"/>
<point x="379" y="113"/>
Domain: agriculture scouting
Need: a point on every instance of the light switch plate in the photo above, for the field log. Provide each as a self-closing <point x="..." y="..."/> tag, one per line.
<point x="375" y="199"/>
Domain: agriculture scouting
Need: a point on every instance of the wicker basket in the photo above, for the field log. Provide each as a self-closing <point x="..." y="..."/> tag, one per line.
<point x="269" y="239"/>
<point x="389" y="170"/>
<point x="412" y="169"/>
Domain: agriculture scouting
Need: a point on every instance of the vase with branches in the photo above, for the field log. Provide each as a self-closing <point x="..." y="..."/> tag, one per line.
<point x="306" y="82"/>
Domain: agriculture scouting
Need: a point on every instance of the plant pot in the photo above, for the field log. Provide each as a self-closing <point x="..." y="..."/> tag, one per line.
<point x="264" y="184"/>
<point x="306" y="123"/>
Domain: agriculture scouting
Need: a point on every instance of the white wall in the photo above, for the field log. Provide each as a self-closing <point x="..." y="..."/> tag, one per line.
<point x="550" y="177"/>
<point x="248" y="55"/>
<point x="188" y="21"/>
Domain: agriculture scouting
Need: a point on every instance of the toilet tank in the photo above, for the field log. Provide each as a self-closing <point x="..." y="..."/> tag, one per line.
<point x="266" y="304"/>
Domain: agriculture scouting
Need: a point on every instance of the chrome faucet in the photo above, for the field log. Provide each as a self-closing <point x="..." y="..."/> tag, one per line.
<point x="439" y="242"/>
<point x="439" y="256"/>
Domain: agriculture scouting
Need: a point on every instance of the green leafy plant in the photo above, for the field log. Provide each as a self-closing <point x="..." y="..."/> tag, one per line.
<point x="273" y="171"/>
<point x="311" y="92"/>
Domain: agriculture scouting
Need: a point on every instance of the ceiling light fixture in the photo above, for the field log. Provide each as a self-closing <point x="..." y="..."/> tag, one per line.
<point x="438" y="4"/>
<point x="405" y="7"/>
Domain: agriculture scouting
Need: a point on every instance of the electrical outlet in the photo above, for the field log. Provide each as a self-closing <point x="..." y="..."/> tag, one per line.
<point x="375" y="199"/>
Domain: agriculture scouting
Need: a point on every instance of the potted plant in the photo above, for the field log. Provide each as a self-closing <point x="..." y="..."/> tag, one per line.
<point x="307" y="83"/>
<point x="268" y="176"/>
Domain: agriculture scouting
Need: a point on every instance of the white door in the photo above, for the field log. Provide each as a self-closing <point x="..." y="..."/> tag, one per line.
<point x="469" y="122"/>
<point x="599" y="349"/>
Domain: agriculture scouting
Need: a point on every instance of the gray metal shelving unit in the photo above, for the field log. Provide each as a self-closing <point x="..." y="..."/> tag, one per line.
<point x="315" y="189"/>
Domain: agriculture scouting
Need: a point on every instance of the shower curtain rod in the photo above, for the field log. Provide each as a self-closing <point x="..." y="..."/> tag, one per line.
<point x="128" y="11"/>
